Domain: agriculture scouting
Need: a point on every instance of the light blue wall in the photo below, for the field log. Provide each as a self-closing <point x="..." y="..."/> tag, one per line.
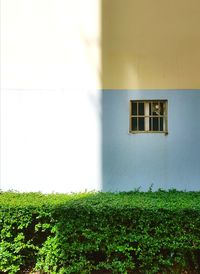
<point x="139" y="160"/>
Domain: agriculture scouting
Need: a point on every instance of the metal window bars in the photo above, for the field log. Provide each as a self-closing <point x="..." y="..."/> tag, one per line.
<point x="148" y="116"/>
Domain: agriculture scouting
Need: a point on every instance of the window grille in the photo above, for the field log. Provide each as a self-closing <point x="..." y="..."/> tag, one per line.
<point x="148" y="116"/>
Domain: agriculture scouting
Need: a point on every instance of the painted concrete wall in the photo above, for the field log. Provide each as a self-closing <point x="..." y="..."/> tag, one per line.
<point x="150" y="44"/>
<point x="50" y="107"/>
<point x="57" y="56"/>
<point x="131" y="161"/>
<point x="150" y="50"/>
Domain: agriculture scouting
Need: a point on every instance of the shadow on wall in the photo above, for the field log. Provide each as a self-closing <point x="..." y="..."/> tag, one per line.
<point x="150" y="46"/>
<point x="132" y="161"/>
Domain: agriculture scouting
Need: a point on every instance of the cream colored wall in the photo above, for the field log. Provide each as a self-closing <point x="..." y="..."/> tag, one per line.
<point x="151" y="44"/>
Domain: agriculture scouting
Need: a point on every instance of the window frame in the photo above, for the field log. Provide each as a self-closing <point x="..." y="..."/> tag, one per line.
<point x="164" y="116"/>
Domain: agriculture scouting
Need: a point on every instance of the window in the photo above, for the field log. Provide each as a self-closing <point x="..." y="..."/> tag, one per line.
<point x="148" y="116"/>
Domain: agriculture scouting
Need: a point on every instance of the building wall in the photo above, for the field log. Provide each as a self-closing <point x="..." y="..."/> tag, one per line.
<point x="150" y="50"/>
<point x="50" y="104"/>
<point x="59" y="57"/>
<point x="150" y="44"/>
<point x="132" y="161"/>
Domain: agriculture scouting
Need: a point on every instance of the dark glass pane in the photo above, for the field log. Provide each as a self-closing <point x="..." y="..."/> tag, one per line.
<point x="150" y="123"/>
<point x="134" y="124"/>
<point x="134" y="108"/>
<point x="161" y="109"/>
<point x="141" y="108"/>
<point x="141" y="124"/>
<point x="161" y="124"/>
<point x="155" y="124"/>
<point x="150" y="109"/>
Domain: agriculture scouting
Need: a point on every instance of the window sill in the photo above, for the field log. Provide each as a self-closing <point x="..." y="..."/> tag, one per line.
<point x="139" y="132"/>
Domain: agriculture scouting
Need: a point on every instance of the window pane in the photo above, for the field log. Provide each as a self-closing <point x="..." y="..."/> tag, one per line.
<point x="150" y="123"/>
<point x="161" y="109"/>
<point x="134" y="124"/>
<point x="134" y="108"/>
<point x="141" y="108"/>
<point x="155" y="124"/>
<point x="141" y="124"/>
<point x="161" y="124"/>
<point x="155" y="119"/>
<point x="150" y="107"/>
<point x="156" y="109"/>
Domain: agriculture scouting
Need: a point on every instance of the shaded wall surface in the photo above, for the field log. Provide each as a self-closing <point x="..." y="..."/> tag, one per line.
<point x="168" y="161"/>
<point x="150" y="50"/>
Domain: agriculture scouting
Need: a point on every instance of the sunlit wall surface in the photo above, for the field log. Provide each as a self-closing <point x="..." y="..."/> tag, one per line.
<point x="50" y="99"/>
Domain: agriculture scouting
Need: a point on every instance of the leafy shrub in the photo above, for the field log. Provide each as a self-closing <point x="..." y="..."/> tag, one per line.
<point x="153" y="232"/>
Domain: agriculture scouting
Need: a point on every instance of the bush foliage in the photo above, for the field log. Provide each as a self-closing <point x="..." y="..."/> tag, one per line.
<point x="134" y="232"/>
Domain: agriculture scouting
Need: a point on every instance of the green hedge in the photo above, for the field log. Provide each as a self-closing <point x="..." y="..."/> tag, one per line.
<point x="134" y="232"/>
